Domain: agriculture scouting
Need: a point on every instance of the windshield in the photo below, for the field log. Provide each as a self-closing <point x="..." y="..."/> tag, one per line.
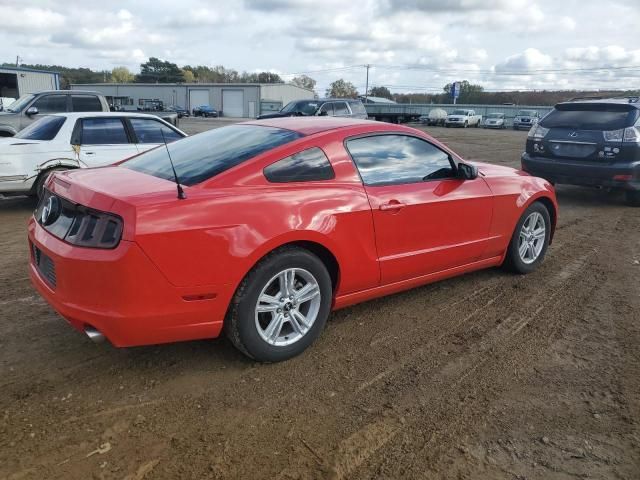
<point x="459" y="112"/>
<point x="305" y="108"/>
<point x="45" y="128"/>
<point x="496" y="115"/>
<point x="19" y="104"/>
<point x="591" y="117"/>
<point x="208" y="154"/>
<point x="527" y="113"/>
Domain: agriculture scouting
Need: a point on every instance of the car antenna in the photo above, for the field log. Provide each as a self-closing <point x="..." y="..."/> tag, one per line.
<point x="181" y="194"/>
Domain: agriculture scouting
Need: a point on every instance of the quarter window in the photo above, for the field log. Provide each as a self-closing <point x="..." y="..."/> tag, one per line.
<point x="327" y="109"/>
<point x="307" y="166"/>
<point x="341" y="109"/>
<point x="85" y="103"/>
<point x="51" y="104"/>
<point x="103" y="131"/>
<point x="149" y="131"/>
<point x="398" y="159"/>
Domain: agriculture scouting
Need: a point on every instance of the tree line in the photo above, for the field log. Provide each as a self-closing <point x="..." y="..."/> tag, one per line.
<point x="155" y="70"/>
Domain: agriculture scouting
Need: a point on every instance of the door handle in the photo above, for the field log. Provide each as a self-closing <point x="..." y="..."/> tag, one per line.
<point x="89" y="153"/>
<point x="392" y="205"/>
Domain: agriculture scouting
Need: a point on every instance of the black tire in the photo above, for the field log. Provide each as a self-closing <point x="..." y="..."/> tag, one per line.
<point x="513" y="262"/>
<point x="633" y="198"/>
<point x="466" y="124"/>
<point x="38" y="186"/>
<point x="240" y="324"/>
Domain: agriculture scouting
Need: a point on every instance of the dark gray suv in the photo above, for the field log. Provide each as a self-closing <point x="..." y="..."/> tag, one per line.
<point x="332" y="107"/>
<point x="589" y="142"/>
<point x="32" y="106"/>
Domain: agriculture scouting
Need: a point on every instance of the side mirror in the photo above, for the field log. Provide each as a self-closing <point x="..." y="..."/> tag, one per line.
<point x="467" y="172"/>
<point x="32" y="111"/>
<point x="323" y="113"/>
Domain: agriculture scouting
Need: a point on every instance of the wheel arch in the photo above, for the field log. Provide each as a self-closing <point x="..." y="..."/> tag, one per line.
<point x="550" y="205"/>
<point x="45" y="167"/>
<point x="314" y="245"/>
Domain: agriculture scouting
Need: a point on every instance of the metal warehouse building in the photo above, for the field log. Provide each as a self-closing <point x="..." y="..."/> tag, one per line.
<point x="15" y="82"/>
<point x="246" y="100"/>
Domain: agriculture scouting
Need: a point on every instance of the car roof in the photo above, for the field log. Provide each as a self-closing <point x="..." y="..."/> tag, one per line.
<point x="311" y="125"/>
<point x="67" y="92"/>
<point x="76" y="115"/>
<point x="631" y="101"/>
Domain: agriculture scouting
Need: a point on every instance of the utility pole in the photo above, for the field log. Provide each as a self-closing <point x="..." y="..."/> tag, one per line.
<point x="366" y="88"/>
<point x="18" y="60"/>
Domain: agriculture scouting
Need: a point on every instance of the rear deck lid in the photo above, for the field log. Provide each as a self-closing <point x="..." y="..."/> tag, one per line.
<point x="581" y="131"/>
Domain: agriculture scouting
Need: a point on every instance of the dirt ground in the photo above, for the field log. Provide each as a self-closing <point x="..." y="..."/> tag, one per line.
<point x="486" y="376"/>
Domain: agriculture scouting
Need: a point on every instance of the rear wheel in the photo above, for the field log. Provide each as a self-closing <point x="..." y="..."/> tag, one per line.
<point x="633" y="198"/>
<point x="530" y="240"/>
<point x="38" y="188"/>
<point x="281" y="306"/>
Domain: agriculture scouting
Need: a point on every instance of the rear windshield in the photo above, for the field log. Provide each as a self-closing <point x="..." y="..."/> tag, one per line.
<point x="591" y="117"/>
<point x="45" y="128"/>
<point x="208" y="154"/>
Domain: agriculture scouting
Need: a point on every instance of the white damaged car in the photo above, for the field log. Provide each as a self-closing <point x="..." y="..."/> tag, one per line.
<point x="76" y="140"/>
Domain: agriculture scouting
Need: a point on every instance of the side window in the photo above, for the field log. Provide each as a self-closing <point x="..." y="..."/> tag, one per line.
<point x="341" y="109"/>
<point x="103" y="131"/>
<point x="307" y="166"/>
<point x="327" y="109"/>
<point x="398" y="159"/>
<point x="51" y="104"/>
<point x="85" y="103"/>
<point x="358" y="108"/>
<point x="148" y="131"/>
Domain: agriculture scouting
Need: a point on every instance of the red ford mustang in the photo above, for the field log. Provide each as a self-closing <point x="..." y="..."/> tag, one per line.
<point x="273" y="224"/>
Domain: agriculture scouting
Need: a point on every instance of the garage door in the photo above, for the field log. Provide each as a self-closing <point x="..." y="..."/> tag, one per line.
<point x="198" y="97"/>
<point x="233" y="103"/>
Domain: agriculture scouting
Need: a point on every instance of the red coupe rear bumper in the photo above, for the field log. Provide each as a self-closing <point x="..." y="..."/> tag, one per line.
<point x="122" y="294"/>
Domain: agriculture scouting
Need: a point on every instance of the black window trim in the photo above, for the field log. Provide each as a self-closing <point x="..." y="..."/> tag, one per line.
<point x="76" y="136"/>
<point x="303" y="149"/>
<point x="131" y="131"/>
<point x="454" y="166"/>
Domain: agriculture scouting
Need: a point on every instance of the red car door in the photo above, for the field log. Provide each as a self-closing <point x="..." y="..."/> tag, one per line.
<point x="426" y="219"/>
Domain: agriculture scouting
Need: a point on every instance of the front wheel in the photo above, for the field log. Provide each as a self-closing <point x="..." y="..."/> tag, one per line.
<point x="530" y="240"/>
<point x="281" y="306"/>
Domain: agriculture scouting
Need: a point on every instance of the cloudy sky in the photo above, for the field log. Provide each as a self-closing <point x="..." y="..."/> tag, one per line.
<point x="412" y="45"/>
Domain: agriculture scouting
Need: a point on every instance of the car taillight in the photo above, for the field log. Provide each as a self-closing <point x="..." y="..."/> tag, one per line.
<point x="94" y="229"/>
<point x="537" y="132"/>
<point x="630" y="134"/>
<point x="77" y="224"/>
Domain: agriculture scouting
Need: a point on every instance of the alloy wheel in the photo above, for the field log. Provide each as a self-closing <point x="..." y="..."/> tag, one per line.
<point x="532" y="238"/>
<point x="287" y="307"/>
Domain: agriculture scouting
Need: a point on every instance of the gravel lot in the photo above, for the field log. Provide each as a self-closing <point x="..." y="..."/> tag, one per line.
<point x="486" y="376"/>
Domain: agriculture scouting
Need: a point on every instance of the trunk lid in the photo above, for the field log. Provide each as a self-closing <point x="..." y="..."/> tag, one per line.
<point x="113" y="189"/>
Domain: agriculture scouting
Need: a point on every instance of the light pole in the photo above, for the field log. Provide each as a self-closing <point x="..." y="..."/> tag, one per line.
<point x="366" y="88"/>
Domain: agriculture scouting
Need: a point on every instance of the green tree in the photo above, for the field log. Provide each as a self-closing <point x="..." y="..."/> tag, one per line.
<point x="304" y="81"/>
<point x="342" y="89"/>
<point x="383" y="92"/>
<point x="159" y="71"/>
<point x="121" y="75"/>
<point x="188" y="75"/>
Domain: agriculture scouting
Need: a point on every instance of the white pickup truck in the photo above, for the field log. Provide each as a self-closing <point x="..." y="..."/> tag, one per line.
<point x="463" y="118"/>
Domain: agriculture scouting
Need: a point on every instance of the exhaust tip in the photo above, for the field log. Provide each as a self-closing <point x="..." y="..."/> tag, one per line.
<point x="95" y="335"/>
